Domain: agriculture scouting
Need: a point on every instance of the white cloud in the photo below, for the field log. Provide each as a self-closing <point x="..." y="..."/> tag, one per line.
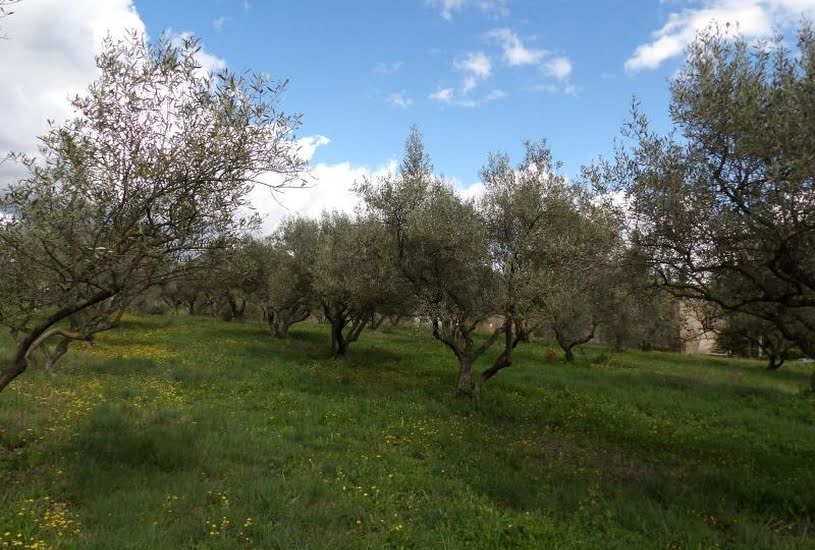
<point x="572" y="90"/>
<point x="309" y="145"/>
<point x="48" y="57"/>
<point x="399" y="99"/>
<point x="495" y="95"/>
<point x="515" y="52"/>
<point x="209" y="62"/>
<point x="331" y="188"/>
<point x="477" y="64"/>
<point x="473" y="191"/>
<point x="448" y="96"/>
<point x="246" y="5"/>
<point x="447" y="7"/>
<point x="753" y="18"/>
<point x="443" y="95"/>
<point x="551" y="88"/>
<point x="218" y="23"/>
<point x="558" y="67"/>
<point x="494" y="8"/>
<point x="388" y="68"/>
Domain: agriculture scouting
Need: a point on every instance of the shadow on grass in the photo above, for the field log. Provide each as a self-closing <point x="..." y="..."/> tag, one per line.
<point x="122" y="435"/>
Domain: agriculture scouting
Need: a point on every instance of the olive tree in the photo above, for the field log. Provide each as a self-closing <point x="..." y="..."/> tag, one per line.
<point x="440" y="243"/>
<point x="580" y="283"/>
<point x="641" y="315"/>
<point x="353" y="276"/>
<point x="747" y="334"/>
<point x="724" y="207"/>
<point x="231" y="276"/>
<point x="552" y="246"/>
<point x="529" y="215"/>
<point x="151" y="170"/>
<point x="287" y="294"/>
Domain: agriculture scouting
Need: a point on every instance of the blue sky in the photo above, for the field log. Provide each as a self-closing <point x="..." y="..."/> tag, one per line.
<point x="477" y="76"/>
<point x="362" y="72"/>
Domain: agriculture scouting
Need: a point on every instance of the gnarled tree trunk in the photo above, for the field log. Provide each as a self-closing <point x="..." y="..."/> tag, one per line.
<point x="568" y="344"/>
<point x="41" y="332"/>
<point x="280" y="321"/>
<point x="341" y="318"/>
<point x="465" y="384"/>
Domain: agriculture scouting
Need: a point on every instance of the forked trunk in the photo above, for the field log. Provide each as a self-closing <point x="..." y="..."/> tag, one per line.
<point x="376" y="321"/>
<point x="511" y="339"/>
<point x="57" y="353"/>
<point x="17" y="365"/>
<point x="279" y="327"/>
<point x="774" y="361"/>
<point x="569" y="353"/>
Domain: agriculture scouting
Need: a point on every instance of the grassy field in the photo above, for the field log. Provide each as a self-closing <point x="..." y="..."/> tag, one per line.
<point x="192" y="433"/>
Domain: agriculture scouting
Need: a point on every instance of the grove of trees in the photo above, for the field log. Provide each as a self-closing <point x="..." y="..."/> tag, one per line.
<point x="140" y="197"/>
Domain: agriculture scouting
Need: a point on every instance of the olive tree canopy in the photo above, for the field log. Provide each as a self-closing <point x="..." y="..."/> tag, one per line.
<point x="152" y="169"/>
<point x="724" y="208"/>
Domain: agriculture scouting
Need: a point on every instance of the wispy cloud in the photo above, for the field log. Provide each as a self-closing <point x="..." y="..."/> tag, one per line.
<point x="388" y="68"/>
<point x="449" y="96"/>
<point x="219" y="22"/>
<point x="558" y="67"/>
<point x="496" y="8"/>
<point x="515" y="53"/>
<point x="753" y="18"/>
<point x="478" y="64"/>
<point x="443" y="95"/>
<point x="567" y="89"/>
<point x="399" y="99"/>
<point x="448" y="8"/>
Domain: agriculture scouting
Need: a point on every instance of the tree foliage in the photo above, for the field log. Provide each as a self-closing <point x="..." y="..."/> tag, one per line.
<point x="353" y="276"/>
<point x="725" y="208"/>
<point x="152" y="170"/>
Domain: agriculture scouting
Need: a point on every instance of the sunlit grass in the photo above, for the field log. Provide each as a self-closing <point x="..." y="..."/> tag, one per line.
<point x="192" y="433"/>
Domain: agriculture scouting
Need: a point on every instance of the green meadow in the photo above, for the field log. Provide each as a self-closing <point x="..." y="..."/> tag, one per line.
<point x="179" y="432"/>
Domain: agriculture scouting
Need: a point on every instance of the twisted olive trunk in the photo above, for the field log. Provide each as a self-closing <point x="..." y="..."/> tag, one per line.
<point x="42" y="331"/>
<point x="465" y="384"/>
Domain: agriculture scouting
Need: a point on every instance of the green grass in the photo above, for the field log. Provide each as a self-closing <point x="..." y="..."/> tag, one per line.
<point x="192" y="433"/>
